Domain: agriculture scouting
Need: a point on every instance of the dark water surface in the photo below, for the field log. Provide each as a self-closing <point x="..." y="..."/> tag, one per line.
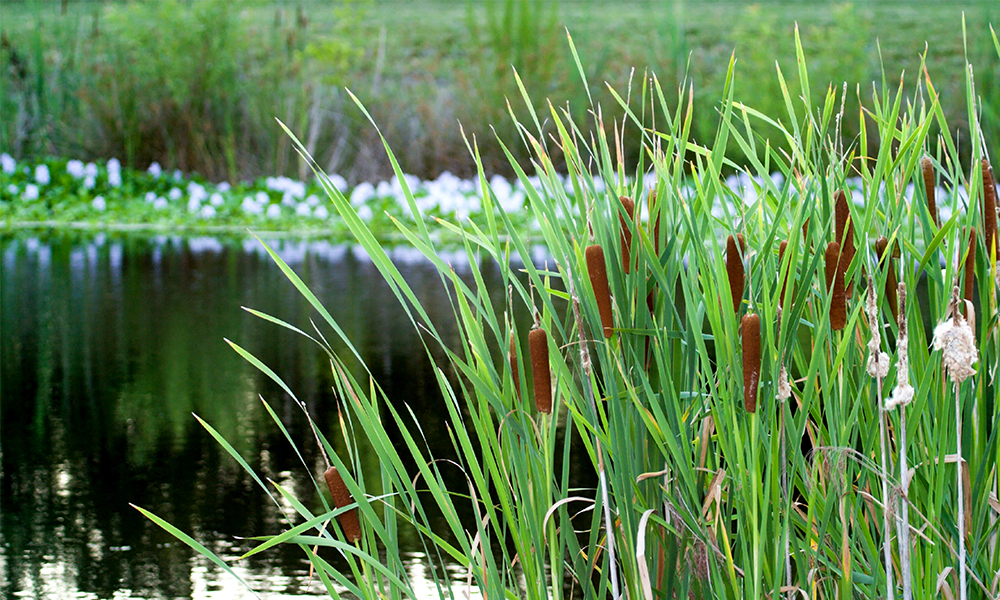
<point x="108" y="344"/>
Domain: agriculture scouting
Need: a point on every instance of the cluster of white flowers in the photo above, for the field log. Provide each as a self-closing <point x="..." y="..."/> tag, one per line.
<point x="7" y="164"/>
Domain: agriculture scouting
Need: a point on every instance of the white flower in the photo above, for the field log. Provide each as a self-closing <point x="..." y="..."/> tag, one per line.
<point x="30" y="192"/>
<point x="321" y="213"/>
<point x="114" y="178"/>
<point x="178" y="175"/>
<point x="75" y="169"/>
<point x="89" y="182"/>
<point x="99" y="203"/>
<point x="312" y="200"/>
<point x="224" y="187"/>
<point x="155" y="170"/>
<point x="207" y="212"/>
<point x="160" y="203"/>
<point x="90" y="170"/>
<point x="365" y="213"/>
<point x="13" y="189"/>
<point x="114" y="166"/>
<point x="42" y="174"/>
<point x="8" y="164"/>
<point x="274" y="211"/>
<point x="303" y="210"/>
<point x="150" y="197"/>
<point x="194" y="205"/>
<point x="175" y="194"/>
<point x="216" y="199"/>
<point x="251" y="206"/>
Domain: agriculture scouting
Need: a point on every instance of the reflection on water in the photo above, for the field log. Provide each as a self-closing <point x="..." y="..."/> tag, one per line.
<point x="107" y="347"/>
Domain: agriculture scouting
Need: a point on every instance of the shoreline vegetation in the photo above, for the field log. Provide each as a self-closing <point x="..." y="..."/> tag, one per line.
<point x="816" y="436"/>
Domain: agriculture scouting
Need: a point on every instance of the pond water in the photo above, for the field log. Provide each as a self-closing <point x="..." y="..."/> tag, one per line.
<point x="108" y="344"/>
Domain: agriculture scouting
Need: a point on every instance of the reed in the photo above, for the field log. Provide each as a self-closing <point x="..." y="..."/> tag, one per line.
<point x="348" y="520"/>
<point x="626" y="232"/>
<point x="750" y="330"/>
<point x="970" y="266"/>
<point x="538" y="346"/>
<point x="784" y="277"/>
<point x="597" y="269"/>
<point x="989" y="210"/>
<point x="735" y="271"/>
<point x="835" y="286"/>
<point x="512" y="360"/>
<point x="885" y="262"/>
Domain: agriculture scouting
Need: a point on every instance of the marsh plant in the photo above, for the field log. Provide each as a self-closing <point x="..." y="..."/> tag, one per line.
<point x="762" y="411"/>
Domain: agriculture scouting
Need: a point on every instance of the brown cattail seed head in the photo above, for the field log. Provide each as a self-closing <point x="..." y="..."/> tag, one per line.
<point x="750" y="328"/>
<point x="989" y="208"/>
<point x="927" y="168"/>
<point x="626" y="237"/>
<point x="598" y="271"/>
<point x="970" y="266"/>
<point x="885" y="261"/>
<point x="512" y="359"/>
<point x="538" y="346"/>
<point x="734" y="269"/>
<point x="835" y="284"/>
<point x="845" y="234"/>
<point x="341" y="498"/>
<point x="903" y="393"/>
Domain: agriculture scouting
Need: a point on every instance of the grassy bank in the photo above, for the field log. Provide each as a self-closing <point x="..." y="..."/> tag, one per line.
<point x="146" y="82"/>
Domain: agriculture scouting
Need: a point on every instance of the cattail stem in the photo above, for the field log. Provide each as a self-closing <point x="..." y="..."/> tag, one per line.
<point x="927" y="168"/>
<point x="784" y="276"/>
<point x="903" y="378"/>
<point x="598" y="271"/>
<point x="626" y="234"/>
<point x="349" y="523"/>
<point x="538" y="345"/>
<point x="751" y="360"/>
<point x="962" y="591"/>
<point x="735" y="271"/>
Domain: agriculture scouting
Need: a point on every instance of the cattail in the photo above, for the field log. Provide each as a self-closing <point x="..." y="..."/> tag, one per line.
<point x="734" y="268"/>
<point x="750" y="328"/>
<point x="970" y="265"/>
<point x="845" y="235"/>
<point x="903" y="394"/>
<point x="512" y="358"/>
<point x="626" y="235"/>
<point x="598" y="272"/>
<point x="835" y="285"/>
<point x="955" y="338"/>
<point x="878" y="361"/>
<point x="784" y="280"/>
<point x="342" y="497"/>
<point x="885" y="261"/>
<point x="989" y="208"/>
<point x="538" y="346"/>
<point x="927" y="168"/>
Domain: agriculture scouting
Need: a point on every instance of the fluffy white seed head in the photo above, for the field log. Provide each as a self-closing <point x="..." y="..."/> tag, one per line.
<point x="957" y="342"/>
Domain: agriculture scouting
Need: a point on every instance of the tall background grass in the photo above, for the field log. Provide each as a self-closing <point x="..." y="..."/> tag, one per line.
<point x="144" y="81"/>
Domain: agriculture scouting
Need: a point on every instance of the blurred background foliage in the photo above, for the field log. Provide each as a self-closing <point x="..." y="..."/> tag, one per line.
<point x="196" y="85"/>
